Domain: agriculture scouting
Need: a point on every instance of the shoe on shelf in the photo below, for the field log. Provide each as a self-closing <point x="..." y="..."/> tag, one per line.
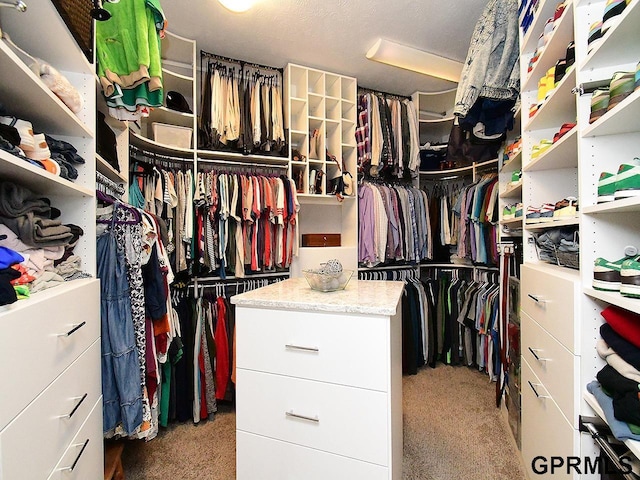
<point x="606" y="274"/>
<point x="515" y="177"/>
<point x="24" y="128"/>
<point x="540" y="148"/>
<point x="564" y="129"/>
<point x="622" y="85"/>
<point x="599" y="103"/>
<point x="612" y="9"/>
<point x="628" y="179"/>
<point x="607" y="187"/>
<point x="560" y="8"/>
<point x="570" y="56"/>
<point x="636" y="78"/>
<point x="595" y="35"/>
<point x="509" y="212"/>
<point x="518" y="210"/>
<point x="533" y="214"/>
<point x="551" y="82"/>
<point x="41" y="150"/>
<point x="560" y="71"/>
<point x="630" y="278"/>
<point x="546" y="212"/>
<point x="567" y="207"/>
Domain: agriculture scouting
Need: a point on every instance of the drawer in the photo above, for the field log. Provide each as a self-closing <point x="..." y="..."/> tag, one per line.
<point x="550" y="298"/>
<point x="343" y="420"/>
<point x="269" y="459"/>
<point x="41" y="337"/>
<point x="545" y="431"/>
<point x="338" y="348"/>
<point x="49" y="423"/>
<point x="84" y="457"/>
<point x="554" y="365"/>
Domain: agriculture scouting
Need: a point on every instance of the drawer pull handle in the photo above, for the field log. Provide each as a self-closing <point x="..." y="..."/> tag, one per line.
<point x="73" y="330"/>
<point x="304" y="349"/>
<point x="536" y="299"/>
<point x="535" y="391"/>
<point x="75" y="462"/>
<point x="77" y="406"/>
<point x="533" y="352"/>
<point x="302" y="417"/>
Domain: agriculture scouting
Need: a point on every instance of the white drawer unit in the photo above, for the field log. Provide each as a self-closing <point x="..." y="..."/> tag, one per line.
<point x="319" y="382"/>
<point x="555" y="366"/>
<point x="548" y="434"/>
<point x="345" y="349"/>
<point x="83" y="458"/>
<point x="550" y="297"/>
<point x="313" y="414"/>
<point x="49" y="423"/>
<point x="287" y="461"/>
<point x="38" y="341"/>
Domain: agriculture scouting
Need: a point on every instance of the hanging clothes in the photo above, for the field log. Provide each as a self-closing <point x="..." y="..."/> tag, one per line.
<point x="245" y="223"/>
<point x="387" y="136"/>
<point x="128" y="57"/>
<point x="393" y="224"/>
<point x="242" y="108"/>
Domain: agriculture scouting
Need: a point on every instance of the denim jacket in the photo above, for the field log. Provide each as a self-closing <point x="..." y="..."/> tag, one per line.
<point x="492" y="68"/>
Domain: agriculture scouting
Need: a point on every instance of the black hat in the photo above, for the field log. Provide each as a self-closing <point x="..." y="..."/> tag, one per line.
<point x="175" y="101"/>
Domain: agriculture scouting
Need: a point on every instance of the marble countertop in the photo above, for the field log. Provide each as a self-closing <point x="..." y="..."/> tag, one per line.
<point x="360" y="296"/>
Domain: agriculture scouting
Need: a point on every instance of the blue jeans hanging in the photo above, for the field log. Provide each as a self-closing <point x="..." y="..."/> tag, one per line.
<point x="121" y="389"/>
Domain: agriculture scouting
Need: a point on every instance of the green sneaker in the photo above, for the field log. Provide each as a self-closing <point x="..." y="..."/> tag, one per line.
<point x="599" y="103"/>
<point x="630" y="278"/>
<point x="509" y="212"/>
<point x="607" y="187"/>
<point x="621" y="86"/>
<point x="606" y="274"/>
<point x="515" y="177"/>
<point x="628" y="179"/>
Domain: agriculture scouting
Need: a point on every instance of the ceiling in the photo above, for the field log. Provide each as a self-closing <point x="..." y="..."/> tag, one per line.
<point x="332" y="35"/>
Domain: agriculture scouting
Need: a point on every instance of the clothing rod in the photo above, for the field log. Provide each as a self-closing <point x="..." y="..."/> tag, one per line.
<point x="243" y="164"/>
<point x="110" y="184"/>
<point x="387" y="268"/>
<point x="241" y="62"/>
<point x="159" y="156"/>
<point x="362" y="90"/>
<point x="257" y="276"/>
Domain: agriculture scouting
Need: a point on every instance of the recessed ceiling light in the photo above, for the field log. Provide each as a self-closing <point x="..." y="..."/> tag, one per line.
<point x="237" y="6"/>
<point x="410" y="58"/>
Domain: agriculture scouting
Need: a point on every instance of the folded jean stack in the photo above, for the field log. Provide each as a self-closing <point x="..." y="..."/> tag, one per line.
<point x="617" y="385"/>
<point x="34" y="244"/>
<point x="559" y="246"/>
<point x="39" y="149"/>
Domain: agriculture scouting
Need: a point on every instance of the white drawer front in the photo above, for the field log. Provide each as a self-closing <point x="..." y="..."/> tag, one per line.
<point x="49" y="423"/>
<point x="349" y="421"/>
<point x="34" y="345"/>
<point x="269" y="459"/>
<point x="550" y="300"/>
<point x="84" y="453"/>
<point x="338" y="348"/>
<point x="555" y="366"/>
<point x="545" y="431"/>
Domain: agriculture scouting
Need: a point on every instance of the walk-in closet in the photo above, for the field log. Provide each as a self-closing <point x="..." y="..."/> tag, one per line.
<point x="261" y="239"/>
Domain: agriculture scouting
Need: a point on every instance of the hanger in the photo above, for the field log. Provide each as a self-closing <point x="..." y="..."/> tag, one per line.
<point x="109" y="200"/>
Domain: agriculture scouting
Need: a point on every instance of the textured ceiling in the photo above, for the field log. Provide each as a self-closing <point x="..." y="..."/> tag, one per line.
<point x="332" y="35"/>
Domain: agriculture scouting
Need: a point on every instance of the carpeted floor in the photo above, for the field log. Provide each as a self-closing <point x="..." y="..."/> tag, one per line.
<point x="452" y="430"/>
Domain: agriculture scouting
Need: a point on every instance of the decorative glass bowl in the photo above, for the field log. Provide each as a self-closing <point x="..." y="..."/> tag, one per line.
<point x="327" y="282"/>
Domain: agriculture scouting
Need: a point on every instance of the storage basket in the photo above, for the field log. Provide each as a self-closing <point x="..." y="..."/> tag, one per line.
<point x="568" y="259"/>
<point x="172" y="135"/>
<point x="77" y="15"/>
